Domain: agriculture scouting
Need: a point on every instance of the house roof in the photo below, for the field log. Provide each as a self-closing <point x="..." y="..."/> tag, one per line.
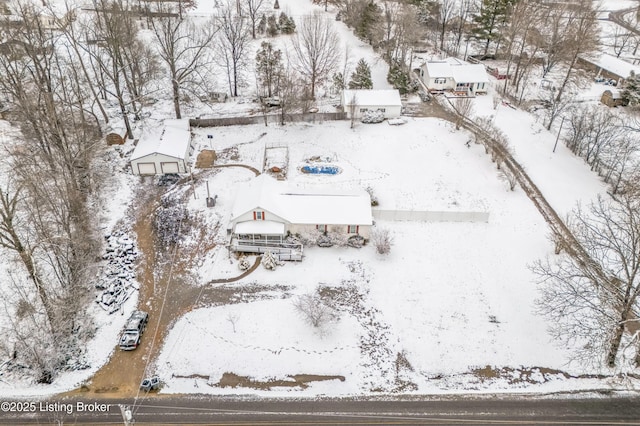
<point x="390" y="97"/>
<point x="461" y="72"/>
<point x="612" y="64"/>
<point x="172" y="140"/>
<point x="319" y="205"/>
<point x="470" y="73"/>
<point x="439" y="69"/>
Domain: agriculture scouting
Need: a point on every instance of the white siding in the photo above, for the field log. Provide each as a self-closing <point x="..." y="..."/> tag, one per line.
<point x="162" y="163"/>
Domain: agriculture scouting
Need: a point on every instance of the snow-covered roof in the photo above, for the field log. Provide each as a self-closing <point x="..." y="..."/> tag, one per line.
<point x="321" y="205"/>
<point x="612" y="64"/>
<point x="387" y="97"/>
<point x="439" y="69"/>
<point x="471" y="73"/>
<point x="461" y="72"/>
<point x="172" y="140"/>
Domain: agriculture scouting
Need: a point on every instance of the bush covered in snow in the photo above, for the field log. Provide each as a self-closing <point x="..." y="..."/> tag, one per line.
<point x="270" y="261"/>
<point x="243" y="263"/>
<point x="374" y="199"/>
<point x="356" y="241"/>
<point x="382" y="240"/>
<point x="372" y="117"/>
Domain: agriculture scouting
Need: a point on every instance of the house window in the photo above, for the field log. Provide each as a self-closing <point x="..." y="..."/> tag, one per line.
<point x="440" y="81"/>
<point x="352" y="229"/>
<point x="382" y="109"/>
<point x="364" y="109"/>
<point x="258" y="215"/>
<point x="321" y="228"/>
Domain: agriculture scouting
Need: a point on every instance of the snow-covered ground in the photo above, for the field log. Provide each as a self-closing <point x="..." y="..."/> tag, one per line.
<point x="451" y="297"/>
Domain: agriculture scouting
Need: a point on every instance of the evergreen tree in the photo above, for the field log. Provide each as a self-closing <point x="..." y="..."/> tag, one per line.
<point x="287" y="25"/>
<point x="272" y="26"/>
<point x="367" y="28"/>
<point x="399" y="79"/>
<point x="338" y="82"/>
<point x="493" y="16"/>
<point x="269" y="68"/>
<point x="262" y="25"/>
<point x="631" y="91"/>
<point x="361" y="77"/>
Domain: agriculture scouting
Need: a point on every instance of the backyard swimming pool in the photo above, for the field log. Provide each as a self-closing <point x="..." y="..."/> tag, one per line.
<point x="321" y="170"/>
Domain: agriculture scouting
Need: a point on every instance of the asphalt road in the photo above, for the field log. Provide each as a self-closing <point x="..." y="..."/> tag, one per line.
<point x="186" y="410"/>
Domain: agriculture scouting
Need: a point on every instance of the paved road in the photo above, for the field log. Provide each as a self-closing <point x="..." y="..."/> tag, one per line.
<point x="618" y="17"/>
<point x="186" y="410"/>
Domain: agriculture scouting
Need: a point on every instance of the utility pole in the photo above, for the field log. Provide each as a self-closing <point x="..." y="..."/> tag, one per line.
<point x="558" y="137"/>
<point x="127" y="415"/>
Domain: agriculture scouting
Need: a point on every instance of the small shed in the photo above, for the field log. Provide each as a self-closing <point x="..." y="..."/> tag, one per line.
<point x="613" y="98"/>
<point x="386" y="101"/>
<point x="166" y="150"/>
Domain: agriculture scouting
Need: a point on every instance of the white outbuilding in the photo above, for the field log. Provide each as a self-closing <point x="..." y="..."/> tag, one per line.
<point x="163" y="151"/>
<point x="361" y="101"/>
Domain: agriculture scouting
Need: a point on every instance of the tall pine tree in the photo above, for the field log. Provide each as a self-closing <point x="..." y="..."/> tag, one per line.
<point x="361" y="77"/>
<point x="492" y="18"/>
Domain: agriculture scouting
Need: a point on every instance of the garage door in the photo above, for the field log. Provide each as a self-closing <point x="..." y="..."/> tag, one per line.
<point x="169" y="167"/>
<point x="147" y="168"/>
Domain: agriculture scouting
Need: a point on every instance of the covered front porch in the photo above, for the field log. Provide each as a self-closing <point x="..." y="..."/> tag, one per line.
<point x="260" y="236"/>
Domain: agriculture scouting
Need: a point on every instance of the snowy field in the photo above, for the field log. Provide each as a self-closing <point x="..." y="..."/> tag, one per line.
<point x="451" y="298"/>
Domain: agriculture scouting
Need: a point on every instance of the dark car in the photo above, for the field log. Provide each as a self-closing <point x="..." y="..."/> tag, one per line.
<point x="133" y="329"/>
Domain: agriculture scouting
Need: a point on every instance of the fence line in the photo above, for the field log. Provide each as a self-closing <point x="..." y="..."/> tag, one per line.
<point x="430" y="216"/>
<point x="316" y="117"/>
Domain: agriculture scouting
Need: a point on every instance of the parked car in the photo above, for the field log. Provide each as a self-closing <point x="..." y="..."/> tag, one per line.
<point x="272" y="101"/>
<point x="150" y="384"/>
<point x="133" y="329"/>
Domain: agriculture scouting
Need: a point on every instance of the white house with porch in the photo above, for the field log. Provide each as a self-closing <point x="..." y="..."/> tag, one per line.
<point x="455" y="75"/>
<point x="363" y="100"/>
<point x="163" y="150"/>
<point x="266" y="211"/>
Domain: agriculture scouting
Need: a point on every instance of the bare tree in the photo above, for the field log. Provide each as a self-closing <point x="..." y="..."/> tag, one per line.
<point x="581" y="37"/>
<point x="269" y="68"/>
<point x="464" y="109"/>
<point x="185" y="49"/>
<point x="353" y="108"/>
<point x="622" y="39"/>
<point x="233" y="40"/>
<point x="594" y="303"/>
<point x="254" y="7"/>
<point x="123" y="63"/>
<point x="317" y="49"/>
<point x="45" y="219"/>
<point x="313" y="309"/>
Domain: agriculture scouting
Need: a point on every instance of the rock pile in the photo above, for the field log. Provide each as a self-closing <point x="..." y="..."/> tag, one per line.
<point x="117" y="281"/>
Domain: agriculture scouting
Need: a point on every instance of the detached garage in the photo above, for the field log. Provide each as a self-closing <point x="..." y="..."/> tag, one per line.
<point x="361" y="101"/>
<point x="164" y="152"/>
